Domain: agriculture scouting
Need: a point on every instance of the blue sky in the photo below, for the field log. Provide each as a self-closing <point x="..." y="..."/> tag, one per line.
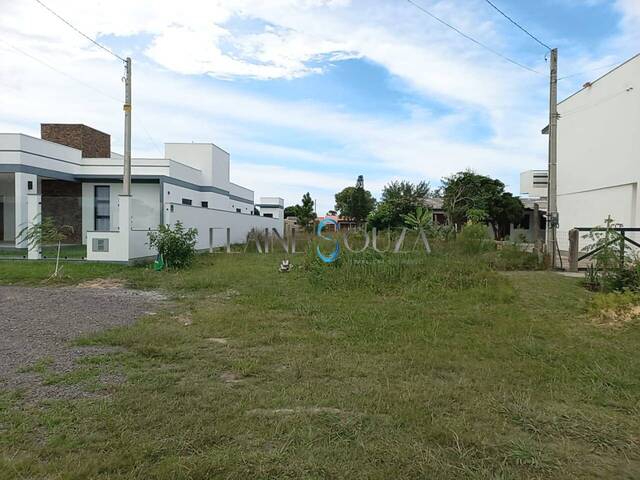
<point x="308" y="94"/>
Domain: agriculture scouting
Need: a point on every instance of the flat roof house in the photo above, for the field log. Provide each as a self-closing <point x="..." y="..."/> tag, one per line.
<point x="71" y="174"/>
<point x="599" y="152"/>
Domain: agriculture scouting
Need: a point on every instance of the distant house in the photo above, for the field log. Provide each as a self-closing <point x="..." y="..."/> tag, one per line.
<point x="599" y="152"/>
<point x="71" y="175"/>
<point x="523" y="230"/>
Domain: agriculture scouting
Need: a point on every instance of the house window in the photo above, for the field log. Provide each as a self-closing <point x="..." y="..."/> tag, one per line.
<point x="238" y="210"/>
<point x="29" y="185"/>
<point x="102" y="212"/>
<point x="205" y="204"/>
<point x="186" y="201"/>
<point x="269" y="215"/>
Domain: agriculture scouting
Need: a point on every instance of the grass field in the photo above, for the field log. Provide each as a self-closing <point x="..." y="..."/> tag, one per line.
<point x="409" y="367"/>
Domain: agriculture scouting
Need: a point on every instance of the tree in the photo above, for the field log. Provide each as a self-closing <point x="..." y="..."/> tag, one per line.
<point x="355" y="203"/>
<point x="47" y="232"/>
<point x="469" y="196"/>
<point x="291" y="211"/>
<point x="305" y="213"/>
<point x="398" y="200"/>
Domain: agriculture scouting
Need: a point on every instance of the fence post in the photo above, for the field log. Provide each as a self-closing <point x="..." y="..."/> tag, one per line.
<point x="210" y="240"/>
<point x="293" y="240"/>
<point x="266" y="240"/>
<point x="574" y="240"/>
<point x="228" y="240"/>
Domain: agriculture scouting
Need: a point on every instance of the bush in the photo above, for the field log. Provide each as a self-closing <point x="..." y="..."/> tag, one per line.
<point x="512" y="257"/>
<point x="474" y="239"/>
<point x="177" y="246"/>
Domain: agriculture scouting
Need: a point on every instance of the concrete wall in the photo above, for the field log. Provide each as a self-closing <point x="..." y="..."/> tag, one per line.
<point x="204" y="219"/>
<point x="145" y="206"/>
<point x="599" y="152"/>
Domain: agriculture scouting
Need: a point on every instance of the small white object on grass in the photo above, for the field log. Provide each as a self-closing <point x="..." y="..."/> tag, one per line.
<point x="285" y="266"/>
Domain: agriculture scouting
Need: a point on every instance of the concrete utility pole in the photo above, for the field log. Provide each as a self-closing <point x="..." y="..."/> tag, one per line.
<point x="552" y="208"/>
<point x="126" y="178"/>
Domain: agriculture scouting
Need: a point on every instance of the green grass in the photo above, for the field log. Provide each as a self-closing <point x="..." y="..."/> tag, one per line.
<point x="378" y="368"/>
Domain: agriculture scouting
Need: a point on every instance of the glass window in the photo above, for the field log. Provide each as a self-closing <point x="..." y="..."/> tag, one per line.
<point x="186" y="201"/>
<point x="102" y="212"/>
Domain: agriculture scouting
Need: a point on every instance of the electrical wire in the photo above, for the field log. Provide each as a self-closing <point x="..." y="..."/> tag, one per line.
<point x="588" y="71"/>
<point x="86" y="85"/>
<point x="48" y="65"/>
<point x="471" y="39"/>
<point x="81" y="33"/>
<point x="518" y="25"/>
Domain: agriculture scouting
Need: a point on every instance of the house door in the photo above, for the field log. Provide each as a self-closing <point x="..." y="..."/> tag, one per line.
<point x="1" y="220"/>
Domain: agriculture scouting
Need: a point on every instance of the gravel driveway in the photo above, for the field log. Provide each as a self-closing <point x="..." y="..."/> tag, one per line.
<point x="39" y="322"/>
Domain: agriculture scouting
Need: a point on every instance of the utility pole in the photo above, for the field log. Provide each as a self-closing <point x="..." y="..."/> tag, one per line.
<point x="552" y="195"/>
<point x="126" y="178"/>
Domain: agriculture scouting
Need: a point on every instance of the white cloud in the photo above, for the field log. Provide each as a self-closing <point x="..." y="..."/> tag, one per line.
<point x="287" y="39"/>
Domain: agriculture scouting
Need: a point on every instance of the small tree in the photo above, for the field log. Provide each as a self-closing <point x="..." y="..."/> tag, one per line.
<point x="46" y="232"/>
<point x="421" y="219"/>
<point x="177" y="246"/>
<point x="305" y="212"/>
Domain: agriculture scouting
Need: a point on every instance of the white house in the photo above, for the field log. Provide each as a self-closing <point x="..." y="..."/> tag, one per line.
<point x="71" y="175"/>
<point x="599" y="152"/>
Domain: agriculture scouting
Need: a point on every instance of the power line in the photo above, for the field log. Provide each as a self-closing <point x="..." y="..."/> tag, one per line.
<point x="48" y="65"/>
<point x="471" y="39"/>
<point x="518" y="25"/>
<point x="589" y="70"/>
<point x="81" y="33"/>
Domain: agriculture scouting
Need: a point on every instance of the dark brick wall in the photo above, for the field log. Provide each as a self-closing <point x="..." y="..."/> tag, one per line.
<point x="63" y="201"/>
<point x="92" y="142"/>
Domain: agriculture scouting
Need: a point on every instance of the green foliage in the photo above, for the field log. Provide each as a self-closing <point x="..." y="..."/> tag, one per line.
<point x="468" y="193"/>
<point x="477" y="215"/>
<point x="356" y="203"/>
<point x="614" y="268"/>
<point x="511" y="256"/>
<point x="45" y="232"/>
<point x="474" y="239"/>
<point x="398" y="199"/>
<point x="177" y="246"/>
<point x="304" y="213"/>
<point x="421" y="219"/>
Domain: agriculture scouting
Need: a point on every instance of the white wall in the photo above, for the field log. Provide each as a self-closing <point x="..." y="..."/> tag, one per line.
<point x="21" y="204"/>
<point x="203" y="219"/>
<point x="145" y="206"/>
<point x="175" y="194"/>
<point x="599" y="152"/>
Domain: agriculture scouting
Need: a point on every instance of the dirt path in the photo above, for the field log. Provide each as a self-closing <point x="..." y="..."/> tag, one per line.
<point x="39" y="323"/>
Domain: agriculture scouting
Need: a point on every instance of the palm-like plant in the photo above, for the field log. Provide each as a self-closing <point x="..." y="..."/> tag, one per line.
<point x="421" y="219"/>
<point x="46" y="232"/>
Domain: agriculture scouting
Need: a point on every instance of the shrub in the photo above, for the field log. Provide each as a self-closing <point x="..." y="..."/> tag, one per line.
<point x="512" y="256"/>
<point x="177" y="246"/>
<point x="474" y="239"/>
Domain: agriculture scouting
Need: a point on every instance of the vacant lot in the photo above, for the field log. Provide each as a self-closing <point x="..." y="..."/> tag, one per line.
<point x="375" y="369"/>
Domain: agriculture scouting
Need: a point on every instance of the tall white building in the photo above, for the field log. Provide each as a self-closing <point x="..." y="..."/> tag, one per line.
<point x="599" y="152"/>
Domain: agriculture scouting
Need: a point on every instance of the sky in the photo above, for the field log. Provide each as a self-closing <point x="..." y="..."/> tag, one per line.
<point x="308" y="94"/>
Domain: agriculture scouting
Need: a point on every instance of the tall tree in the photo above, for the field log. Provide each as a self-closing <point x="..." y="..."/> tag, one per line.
<point x="468" y="191"/>
<point x="399" y="198"/>
<point x="305" y="212"/>
<point x="355" y="203"/>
